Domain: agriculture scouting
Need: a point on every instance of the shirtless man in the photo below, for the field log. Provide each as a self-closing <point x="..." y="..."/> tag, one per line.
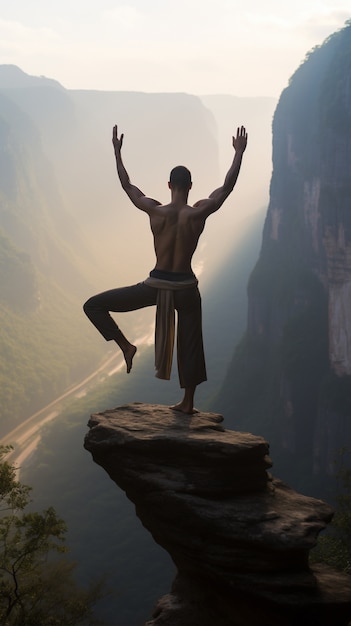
<point x="176" y="228"/>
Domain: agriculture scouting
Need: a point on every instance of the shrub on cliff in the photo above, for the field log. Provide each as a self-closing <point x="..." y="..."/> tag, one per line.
<point x="36" y="589"/>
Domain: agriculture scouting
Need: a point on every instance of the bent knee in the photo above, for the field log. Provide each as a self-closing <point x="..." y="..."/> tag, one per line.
<point x="89" y="306"/>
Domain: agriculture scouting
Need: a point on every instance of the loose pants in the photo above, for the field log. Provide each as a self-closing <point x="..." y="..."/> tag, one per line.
<point x="187" y="302"/>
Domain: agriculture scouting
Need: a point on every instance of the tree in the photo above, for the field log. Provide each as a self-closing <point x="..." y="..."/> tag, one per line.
<point x="36" y="587"/>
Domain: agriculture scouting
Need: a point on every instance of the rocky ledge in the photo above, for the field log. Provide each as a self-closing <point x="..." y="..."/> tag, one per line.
<point x="239" y="537"/>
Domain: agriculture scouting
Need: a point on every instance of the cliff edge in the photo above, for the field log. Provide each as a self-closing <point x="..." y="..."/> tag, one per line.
<point x="291" y="373"/>
<point x="239" y="538"/>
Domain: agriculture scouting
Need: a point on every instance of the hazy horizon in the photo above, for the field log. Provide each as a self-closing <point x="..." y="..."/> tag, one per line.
<point x="243" y="48"/>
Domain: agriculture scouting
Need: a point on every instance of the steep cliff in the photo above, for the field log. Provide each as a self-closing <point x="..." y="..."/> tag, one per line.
<point x="239" y="537"/>
<point x="291" y="376"/>
<point x="41" y="278"/>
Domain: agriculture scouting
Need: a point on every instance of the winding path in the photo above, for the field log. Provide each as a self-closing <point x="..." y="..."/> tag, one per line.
<point x="26" y="436"/>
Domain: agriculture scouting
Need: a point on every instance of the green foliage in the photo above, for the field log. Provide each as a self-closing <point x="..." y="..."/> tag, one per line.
<point x="35" y="588"/>
<point x="88" y="500"/>
<point x="316" y="106"/>
<point x="334" y="547"/>
<point x="317" y="55"/>
<point x="13" y="495"/>
<point x="335" y="113"/>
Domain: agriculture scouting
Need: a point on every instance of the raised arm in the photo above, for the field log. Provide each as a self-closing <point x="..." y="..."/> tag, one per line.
<point x="217" y="197"/>
<point x="135" y="194"/>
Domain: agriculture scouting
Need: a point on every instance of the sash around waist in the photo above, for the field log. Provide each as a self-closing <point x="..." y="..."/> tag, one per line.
<point x="164" y="328"/>
<point x="173" y="276"/>
<point x="171" y="280"/>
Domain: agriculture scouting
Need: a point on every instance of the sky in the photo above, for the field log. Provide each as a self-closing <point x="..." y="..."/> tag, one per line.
<point x="238" y="47"/>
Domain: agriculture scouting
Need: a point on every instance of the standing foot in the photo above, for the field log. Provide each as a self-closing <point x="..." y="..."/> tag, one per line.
<point x="129" y="354"/>
<point x="187" y="404"/>
<point x="184" y="407"/>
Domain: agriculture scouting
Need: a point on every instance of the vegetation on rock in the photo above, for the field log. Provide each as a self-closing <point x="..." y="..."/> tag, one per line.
<point x="36" y="589"/>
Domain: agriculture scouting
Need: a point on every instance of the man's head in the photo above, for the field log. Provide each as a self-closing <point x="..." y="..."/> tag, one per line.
<point x="180" y="178"/>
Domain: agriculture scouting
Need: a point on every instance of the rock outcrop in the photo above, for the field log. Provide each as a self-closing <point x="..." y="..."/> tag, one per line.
<point x="239" y="537"/>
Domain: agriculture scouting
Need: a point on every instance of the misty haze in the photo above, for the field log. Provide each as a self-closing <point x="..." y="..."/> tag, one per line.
<point x="274" y="277"/>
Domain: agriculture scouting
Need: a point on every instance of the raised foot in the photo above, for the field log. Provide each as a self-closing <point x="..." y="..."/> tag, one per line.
<point x="129" y="354"/>
<point x="183" y="407"/>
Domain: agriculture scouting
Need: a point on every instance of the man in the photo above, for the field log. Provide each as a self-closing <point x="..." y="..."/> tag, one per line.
<point x="176" y="228"/>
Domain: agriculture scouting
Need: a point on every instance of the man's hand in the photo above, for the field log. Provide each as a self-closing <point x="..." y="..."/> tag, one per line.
<point x="136" y="195"/>
<point x="218" y="196"/>
<point x="117" y="143"/>
<point x="240" y="141"/>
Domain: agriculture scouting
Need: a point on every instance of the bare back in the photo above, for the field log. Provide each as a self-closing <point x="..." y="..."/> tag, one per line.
<point x="176" y="229"/>
<point x="177" y="226"/>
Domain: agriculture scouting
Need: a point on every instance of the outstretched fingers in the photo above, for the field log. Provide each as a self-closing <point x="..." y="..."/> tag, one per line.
<point x="240" y="140"/>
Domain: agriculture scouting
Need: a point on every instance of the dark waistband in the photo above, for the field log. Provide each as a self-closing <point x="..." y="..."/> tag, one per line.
<point x="176" y="276"/>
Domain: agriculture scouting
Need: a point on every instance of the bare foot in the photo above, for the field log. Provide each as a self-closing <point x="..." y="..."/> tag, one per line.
<point x="183" y="407"/>
<point x="128" y="356"/>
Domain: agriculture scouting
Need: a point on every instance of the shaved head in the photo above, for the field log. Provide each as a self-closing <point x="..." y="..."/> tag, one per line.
<point x="180" y="177"/>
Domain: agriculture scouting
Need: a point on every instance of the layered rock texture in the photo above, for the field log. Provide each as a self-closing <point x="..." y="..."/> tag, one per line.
<point x="291" y="376"/>
<point x="239" y="537"/>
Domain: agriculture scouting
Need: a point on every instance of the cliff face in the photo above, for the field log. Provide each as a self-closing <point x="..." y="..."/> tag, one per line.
<point x="239" y="537"/>
<point x="310" y="197"/>
<point x="296" y="357"/>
